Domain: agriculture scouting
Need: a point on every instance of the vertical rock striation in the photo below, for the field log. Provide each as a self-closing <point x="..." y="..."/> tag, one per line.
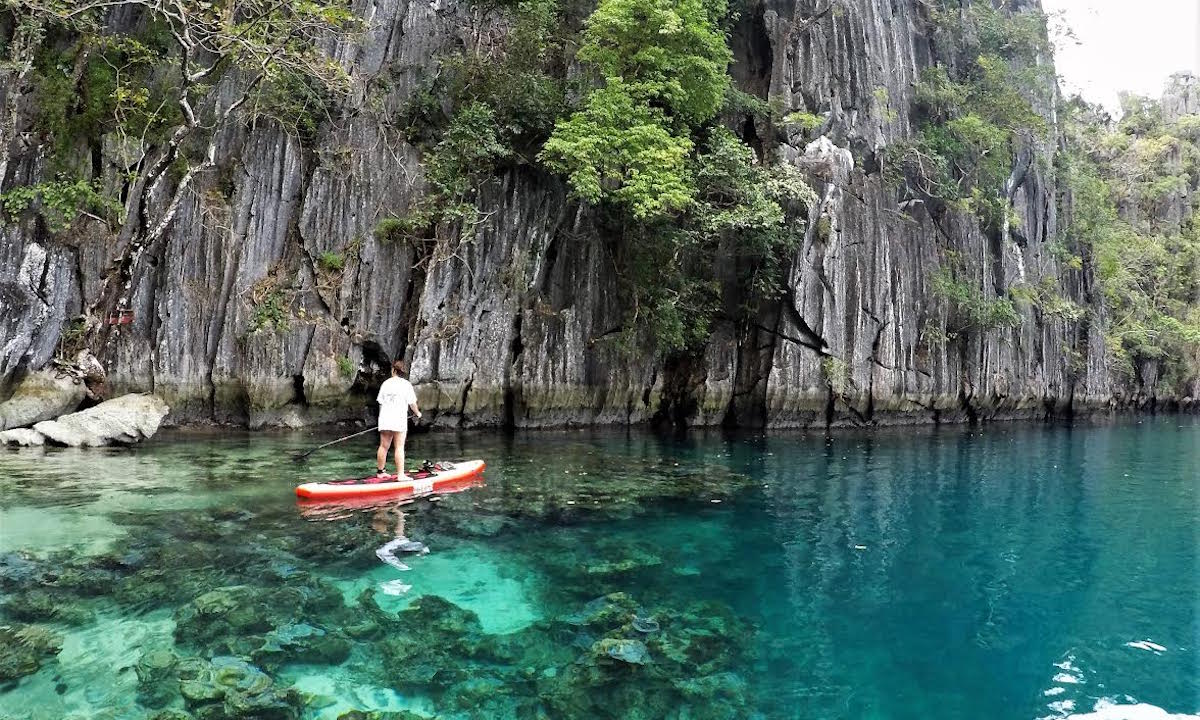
<point x="274" y="301"/>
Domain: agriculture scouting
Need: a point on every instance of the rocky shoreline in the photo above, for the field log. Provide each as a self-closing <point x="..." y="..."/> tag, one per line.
<point x="65" y="406"/>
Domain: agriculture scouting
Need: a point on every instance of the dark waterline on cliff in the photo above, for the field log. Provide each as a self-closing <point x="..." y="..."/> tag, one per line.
<point x="1003" y="572"/>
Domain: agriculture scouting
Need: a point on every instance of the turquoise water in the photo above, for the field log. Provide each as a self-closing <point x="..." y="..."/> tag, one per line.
<point x="1009" y="572"/>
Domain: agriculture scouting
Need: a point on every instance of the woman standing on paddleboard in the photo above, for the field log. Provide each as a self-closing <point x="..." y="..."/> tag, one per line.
<point x="396" y="396"/>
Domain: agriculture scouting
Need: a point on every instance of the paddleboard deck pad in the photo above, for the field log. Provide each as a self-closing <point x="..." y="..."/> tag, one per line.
<point x="424" y="481"/>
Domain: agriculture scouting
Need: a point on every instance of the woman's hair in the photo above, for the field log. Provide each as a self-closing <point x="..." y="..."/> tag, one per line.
<point x="399" y="368"/>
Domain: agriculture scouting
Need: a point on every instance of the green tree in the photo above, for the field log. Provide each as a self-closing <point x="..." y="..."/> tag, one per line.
<point x="621" y="149"/>
<point x="974" y="110"/>
<point x="661" y="68"/>
<point x="1147" y="265"/>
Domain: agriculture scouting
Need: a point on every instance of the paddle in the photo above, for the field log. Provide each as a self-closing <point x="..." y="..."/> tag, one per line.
<point x="301" y="457"/>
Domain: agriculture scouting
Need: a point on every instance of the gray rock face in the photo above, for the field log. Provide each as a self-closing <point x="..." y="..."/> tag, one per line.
<point x="1181" y="96"/>
<point x="237" y="320"/>
<point x="120" y="421"/>
<point x="41" y="396"/>
<point x="37" y="286"/>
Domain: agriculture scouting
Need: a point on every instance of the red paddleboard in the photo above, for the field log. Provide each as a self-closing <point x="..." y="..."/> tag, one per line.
<point x="443" y="477"/>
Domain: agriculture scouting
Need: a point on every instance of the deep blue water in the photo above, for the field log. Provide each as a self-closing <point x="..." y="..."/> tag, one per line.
<point x="1012" y="571"/>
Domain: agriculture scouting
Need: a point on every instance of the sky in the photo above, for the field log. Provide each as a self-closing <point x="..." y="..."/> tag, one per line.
<point x="1119" y="45"/>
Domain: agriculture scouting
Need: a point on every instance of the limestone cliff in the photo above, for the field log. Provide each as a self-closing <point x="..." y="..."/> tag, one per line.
<point x="237" y="319"/>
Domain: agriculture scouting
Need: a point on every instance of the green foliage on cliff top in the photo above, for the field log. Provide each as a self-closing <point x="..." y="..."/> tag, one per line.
<point x="1147" y="261"/>
<point x="489" y="107"/>
<point x="620" y="149"/>
<point x="662" y="68"/>
<point x="703" y="218"/>
<point x="86" y="86"/>
<point x="636" y="135"/>
<point x="974" y="108"/>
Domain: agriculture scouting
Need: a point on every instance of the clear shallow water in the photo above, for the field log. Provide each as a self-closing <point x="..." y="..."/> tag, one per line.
<point x="1013" y="572"/>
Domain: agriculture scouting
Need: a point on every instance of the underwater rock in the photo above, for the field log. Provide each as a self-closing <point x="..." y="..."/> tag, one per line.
<point x="611" y="658"/>
<point x="645" y="624"/>
<point x="157" y="685"/>
<point x="726" y="687"/>
<point x="301" y="642"/>
<point x="474" y="692"/>
<point x="633" y="652"/>
<point x="635" y="560"/>
<point x="124" y="420"/>
<point x="19" y="570"/>
<point x="227" y="688"/>
<point x="30" y="606"/>
<point x="263" y="623"/>
<point x="611" y="610"/>
<point x="86" y="581"/>
<point x="221" y="600"/>
<point x="430" y="645"/>
<point x="703" y="642"/>
<point x="381" y="715"/>
<point x="23" y="649"/>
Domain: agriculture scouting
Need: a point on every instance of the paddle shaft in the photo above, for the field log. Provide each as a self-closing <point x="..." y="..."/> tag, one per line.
<point x="300" y="457"/>
<point x="334" y="442"/>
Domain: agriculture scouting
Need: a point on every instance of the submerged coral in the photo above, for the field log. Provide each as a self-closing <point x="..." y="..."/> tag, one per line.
<point x="39" y="606"/>
<point x="247" y="592"/>
<point x="157" y="684"/>
<point x="23" y="649"/>
<point x="594" y="662"/>
<point x="227" y="688"/>
<point x="268" y="624"/>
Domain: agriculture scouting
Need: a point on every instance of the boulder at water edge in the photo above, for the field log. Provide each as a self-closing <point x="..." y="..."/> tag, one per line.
<point x="124" y="420"/>
<point x="42" y="395"/>
<point x="22" y="436"/>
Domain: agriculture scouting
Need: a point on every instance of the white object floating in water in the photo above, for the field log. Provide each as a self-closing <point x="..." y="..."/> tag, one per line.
<point x="1106" y="709"/>
<point x="860" y="547"/>
<point x="387" y="553"/>
<point x="1146" y="645"/>
<point x="714" y="501"/>
<point x="435" y="498"/>
<point x="570" y="502"/>
<point x="394" y="587"/>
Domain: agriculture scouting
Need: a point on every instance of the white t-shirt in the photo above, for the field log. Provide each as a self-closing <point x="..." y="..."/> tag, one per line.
<point x="395" y="395"/>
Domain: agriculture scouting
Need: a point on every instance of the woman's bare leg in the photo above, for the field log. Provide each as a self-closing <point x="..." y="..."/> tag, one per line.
<point x="400" y="438"/>
<point x="385" y="441"/>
